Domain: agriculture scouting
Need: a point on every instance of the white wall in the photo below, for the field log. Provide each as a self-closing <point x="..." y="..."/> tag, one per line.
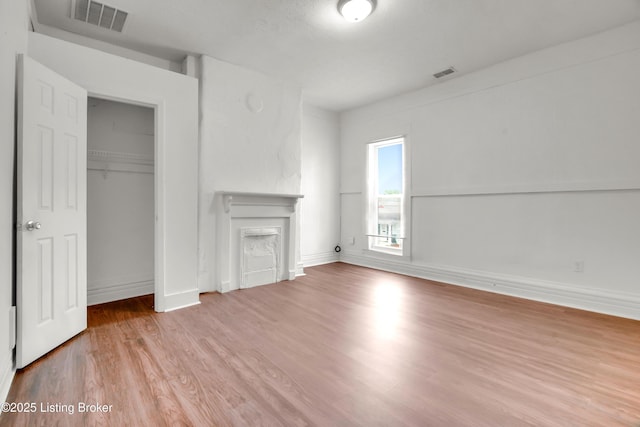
<point x="13" y="40"/>
<point x="108" y="47"/>
<point x="250" y="142"/>
<point x="320" y="208"/>
<point x="519" y="172"/>
<point x="120" y="201"/>
<point x="175" y="95"/>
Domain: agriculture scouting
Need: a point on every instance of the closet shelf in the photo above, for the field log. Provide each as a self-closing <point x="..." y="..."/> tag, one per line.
<point x="112" y="161"/>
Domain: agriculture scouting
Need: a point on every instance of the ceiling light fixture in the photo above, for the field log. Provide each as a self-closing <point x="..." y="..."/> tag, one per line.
<point x="356" y="10"/>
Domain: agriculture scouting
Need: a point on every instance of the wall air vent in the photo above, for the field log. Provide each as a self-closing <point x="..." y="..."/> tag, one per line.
<point x="99" y="14"/>
<point x="443" y="73"/>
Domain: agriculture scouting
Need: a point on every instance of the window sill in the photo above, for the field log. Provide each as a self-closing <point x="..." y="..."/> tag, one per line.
<point x="386" y="250"/>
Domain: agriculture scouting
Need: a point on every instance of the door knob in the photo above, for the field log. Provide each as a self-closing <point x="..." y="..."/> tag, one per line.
<point x="32" y="225"/>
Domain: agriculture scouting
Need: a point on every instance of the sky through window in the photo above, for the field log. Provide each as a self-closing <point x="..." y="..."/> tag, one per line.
<point x="390" y="169"/>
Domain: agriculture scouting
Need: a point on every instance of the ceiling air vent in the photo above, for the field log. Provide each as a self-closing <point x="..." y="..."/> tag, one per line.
<point x="443" y="73"/>
<point x="99" y="14"/>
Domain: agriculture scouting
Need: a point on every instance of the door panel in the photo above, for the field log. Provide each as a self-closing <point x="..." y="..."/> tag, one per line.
<point x="51" y="236"/>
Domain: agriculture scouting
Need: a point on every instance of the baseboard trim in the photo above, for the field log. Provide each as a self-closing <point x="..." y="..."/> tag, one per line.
<point x="225" y="286"/>
<point x="300" y="269"/>
<point x="119" y="291"/>
<point x="204" y="282"/>
<point x="312" y="260"/>
<point x="8" y="372"/>
<point x="181" y="300"/>
<point x="612" y="303"/>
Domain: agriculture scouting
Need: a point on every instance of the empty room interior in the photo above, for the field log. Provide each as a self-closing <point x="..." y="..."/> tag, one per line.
<point x="320" y="212"/>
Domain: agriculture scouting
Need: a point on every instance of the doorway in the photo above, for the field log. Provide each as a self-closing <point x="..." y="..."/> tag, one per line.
<point x="120" y="200"/>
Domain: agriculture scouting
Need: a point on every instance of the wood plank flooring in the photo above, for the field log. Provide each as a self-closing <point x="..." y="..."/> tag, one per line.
<point x="341" y="346"/>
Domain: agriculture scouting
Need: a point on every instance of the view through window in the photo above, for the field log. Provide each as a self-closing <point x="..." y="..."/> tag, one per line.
<point x="386" y="190"/>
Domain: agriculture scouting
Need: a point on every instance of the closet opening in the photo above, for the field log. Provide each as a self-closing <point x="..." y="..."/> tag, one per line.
<point x="120" y="200"/>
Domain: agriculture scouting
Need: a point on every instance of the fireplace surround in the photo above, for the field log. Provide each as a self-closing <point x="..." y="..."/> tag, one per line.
<point x="257" y="242"/>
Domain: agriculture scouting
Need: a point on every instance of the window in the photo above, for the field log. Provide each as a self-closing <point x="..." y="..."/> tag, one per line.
<point x="386" y="196"/>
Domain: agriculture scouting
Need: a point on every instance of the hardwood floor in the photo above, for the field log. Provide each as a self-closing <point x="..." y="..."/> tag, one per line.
<point x="342" y="346"/>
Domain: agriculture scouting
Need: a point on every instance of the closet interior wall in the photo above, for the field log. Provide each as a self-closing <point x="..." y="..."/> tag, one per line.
<point x="120" y="201"/>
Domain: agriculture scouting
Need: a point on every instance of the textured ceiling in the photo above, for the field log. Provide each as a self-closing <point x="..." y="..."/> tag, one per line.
<point x="342" y="65"/>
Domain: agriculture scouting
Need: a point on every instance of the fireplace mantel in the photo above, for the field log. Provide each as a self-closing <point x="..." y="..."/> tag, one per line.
<point x="236" y="210"/>
<point x="230" y="198"/>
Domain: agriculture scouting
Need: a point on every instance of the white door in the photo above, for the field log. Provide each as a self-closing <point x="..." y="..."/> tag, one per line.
<point x="51" y="235"/>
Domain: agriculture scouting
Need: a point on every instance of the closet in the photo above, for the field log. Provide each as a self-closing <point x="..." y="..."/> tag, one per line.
<point x="120" y="201"/>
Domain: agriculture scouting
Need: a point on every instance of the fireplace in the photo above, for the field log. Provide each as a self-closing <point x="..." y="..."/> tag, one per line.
<point x="260" y="259"/>
<point x="256" y="239"/>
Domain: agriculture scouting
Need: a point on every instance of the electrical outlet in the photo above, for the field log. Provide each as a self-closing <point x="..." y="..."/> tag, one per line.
<point x="578" y="266"/>
<point x="353" y="240"/>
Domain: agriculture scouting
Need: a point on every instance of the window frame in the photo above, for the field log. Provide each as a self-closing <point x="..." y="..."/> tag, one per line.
<point x="372" y="197"/>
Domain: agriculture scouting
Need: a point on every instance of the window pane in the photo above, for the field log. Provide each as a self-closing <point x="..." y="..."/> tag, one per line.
<point x="390" y="169"/>
<point x="385" y="221"/>
<point x="389" y="221"/>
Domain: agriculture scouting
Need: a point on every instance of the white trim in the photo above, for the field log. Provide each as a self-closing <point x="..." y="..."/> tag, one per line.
<point x="385" y="250"/>
<point x="6" y="379"/>
<point x="612" y="302"/>
<point x="372" y="199"/>
<point x="311" y="260"/>
<point x="552" y="187"/>
<point x="181" y="300"/>
<point x="232" y="206"/>
<point x="300" y="269"/>
<point x="161" y="302"/>
<point x="160" y="296"/>
<point x="118" y="290"/>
